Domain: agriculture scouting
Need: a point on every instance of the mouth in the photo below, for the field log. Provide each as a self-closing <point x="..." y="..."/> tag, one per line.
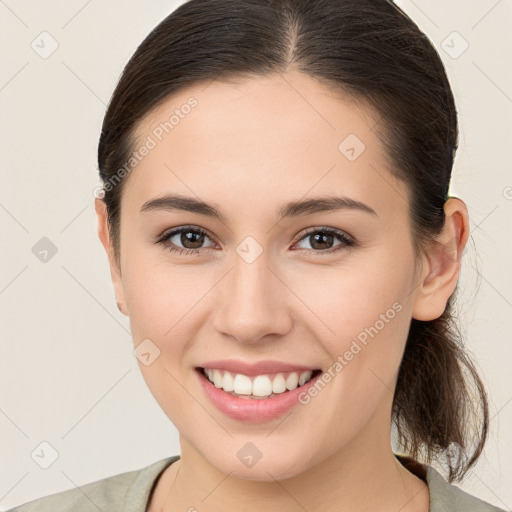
<point x="257" y="387"/>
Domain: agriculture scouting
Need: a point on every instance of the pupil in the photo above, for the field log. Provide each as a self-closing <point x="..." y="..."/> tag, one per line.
<point x="321" y="239"/>
<point x="192" y="237"/>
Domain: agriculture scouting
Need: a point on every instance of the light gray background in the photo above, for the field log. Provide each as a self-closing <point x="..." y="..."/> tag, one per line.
<point x="68" y="374"/>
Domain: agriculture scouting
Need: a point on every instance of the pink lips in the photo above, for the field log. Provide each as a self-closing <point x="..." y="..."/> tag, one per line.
<point x="253" y="369"/>
<point x="252" y="409"/>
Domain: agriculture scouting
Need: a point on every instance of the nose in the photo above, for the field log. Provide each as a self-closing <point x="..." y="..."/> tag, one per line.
<point x="252" y="304"/>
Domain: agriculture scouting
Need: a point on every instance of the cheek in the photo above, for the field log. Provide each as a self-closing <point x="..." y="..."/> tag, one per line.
<point x="160" y="297"/>
<point x="362" y="317"/>
<point x="164" y="303"/>
<point x="343" y="301"/>
<point x="161" y="302"/>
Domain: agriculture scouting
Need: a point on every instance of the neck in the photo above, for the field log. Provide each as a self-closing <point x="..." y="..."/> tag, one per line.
<point x="364" y="476"/>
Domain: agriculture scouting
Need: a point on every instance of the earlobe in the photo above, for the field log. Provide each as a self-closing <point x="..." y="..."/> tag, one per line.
<point x="442" y="263"/>
<point x="104" y="236"/>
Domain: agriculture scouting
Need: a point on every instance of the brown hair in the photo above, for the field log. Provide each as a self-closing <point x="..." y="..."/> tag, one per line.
<point x="372" y="51"/>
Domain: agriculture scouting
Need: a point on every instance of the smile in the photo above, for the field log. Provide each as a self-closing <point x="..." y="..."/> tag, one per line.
<point x="257" y="398"/>
<point x="259" y="386"/>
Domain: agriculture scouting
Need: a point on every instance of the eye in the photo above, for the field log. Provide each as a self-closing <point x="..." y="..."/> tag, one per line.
<point x="192" y="239"/>
<point x="320" y="238"/>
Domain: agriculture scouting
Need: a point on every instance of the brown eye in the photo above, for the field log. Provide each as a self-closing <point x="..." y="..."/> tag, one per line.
<point x="192" y="239"/>
<point x="187" y="240"/>
<point x="321" y="240"/>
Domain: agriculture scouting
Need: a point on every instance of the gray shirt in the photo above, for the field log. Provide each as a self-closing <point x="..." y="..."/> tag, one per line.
<point x="130" y="492"/>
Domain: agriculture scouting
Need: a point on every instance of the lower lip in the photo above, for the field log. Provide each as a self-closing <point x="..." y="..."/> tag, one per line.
<point x="253" y="409"/>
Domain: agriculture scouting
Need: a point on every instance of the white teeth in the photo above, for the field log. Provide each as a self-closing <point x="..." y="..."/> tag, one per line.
<point x="260" y="386"/>
<point x="279" y="384"/>
<point x="217" y="378"/>
<point x="242" y="385"/>
<point x="304" y="377"/>
<point x="292" y="381"/>
<point x="228" y="382"/>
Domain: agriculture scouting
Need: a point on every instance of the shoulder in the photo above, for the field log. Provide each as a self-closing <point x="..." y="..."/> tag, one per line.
<point x="115" y="493"/>
<point x="445" y="497"/>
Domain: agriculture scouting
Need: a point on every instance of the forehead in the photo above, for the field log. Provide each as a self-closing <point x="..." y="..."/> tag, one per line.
<point x="260" y="138"/>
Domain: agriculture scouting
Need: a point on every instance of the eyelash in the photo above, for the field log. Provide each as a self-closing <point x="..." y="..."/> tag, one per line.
<point x="345" y="239"/>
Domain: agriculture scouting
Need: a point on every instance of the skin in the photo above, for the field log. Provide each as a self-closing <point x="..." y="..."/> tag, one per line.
<point x="275" y="139"/>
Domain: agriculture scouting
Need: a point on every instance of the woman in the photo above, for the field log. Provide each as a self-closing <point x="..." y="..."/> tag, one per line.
<point x="276" y="215"/>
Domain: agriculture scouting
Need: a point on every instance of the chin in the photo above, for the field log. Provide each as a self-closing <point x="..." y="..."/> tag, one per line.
<point x="266" y="469"/>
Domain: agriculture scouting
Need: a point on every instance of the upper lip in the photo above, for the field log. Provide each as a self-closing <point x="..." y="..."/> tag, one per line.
<point x="252" y="369"/>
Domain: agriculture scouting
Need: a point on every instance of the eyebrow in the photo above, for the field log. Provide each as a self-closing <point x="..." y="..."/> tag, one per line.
<point x="173" y="202"/>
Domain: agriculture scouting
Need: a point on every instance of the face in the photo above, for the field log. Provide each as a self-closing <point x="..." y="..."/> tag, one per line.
<point x="325" y="289"/>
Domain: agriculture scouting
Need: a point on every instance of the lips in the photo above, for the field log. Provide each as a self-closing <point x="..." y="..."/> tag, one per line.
<point x="254" y="409"/>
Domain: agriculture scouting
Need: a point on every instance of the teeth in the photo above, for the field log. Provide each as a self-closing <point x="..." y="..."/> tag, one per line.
<point x="304" y="377"/>
<point x="292" y="381"/>
<point x="258" y="387"/>
<point x="279" y="384"/>
<point x="262" y="386"/>
<point x="242" y="385"/>
<point x="217" y="378"/>
<point x="228" y="383"/>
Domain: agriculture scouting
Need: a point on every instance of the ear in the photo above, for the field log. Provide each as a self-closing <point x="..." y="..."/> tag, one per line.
<point x="115" y="270"/>
<point x="442" y="263"/>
